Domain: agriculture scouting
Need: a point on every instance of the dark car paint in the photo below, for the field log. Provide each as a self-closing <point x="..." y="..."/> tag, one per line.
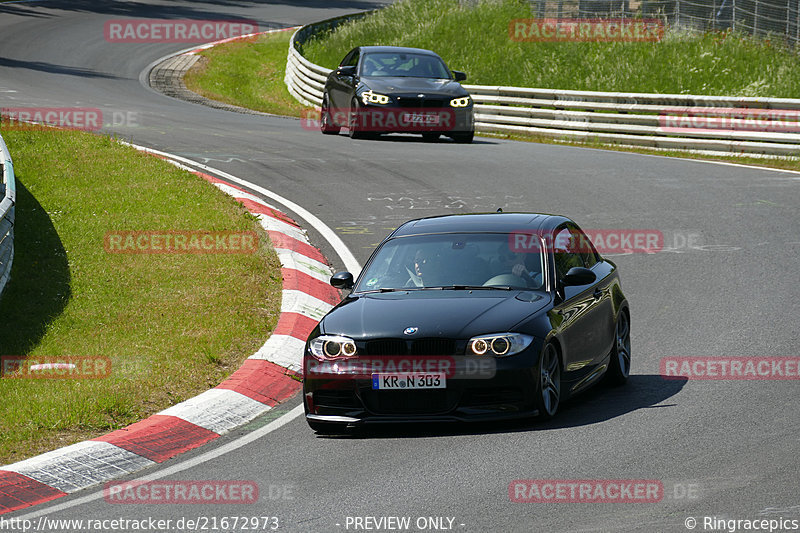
<point x="342" y="89"/>
<point x="580" y="320"/>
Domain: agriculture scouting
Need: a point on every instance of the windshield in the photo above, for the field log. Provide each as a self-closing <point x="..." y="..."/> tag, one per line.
<point x="403" y="64"/>
<point x="444" y="260"/>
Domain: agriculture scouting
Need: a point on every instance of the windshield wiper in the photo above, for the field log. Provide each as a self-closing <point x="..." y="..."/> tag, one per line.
<point x="475" y="287"/>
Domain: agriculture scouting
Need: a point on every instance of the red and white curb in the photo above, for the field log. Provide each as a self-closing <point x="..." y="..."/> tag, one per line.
<point x="265" y="379"/>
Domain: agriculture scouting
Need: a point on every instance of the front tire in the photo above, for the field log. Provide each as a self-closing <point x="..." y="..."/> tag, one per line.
<point x="619" y="365"/>
<point x="354" y="119"/>
<point x="549" y="383"/>
<point x="326" y="124"/>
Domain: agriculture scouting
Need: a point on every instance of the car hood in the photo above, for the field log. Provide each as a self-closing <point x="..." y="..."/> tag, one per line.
<point x="456" y="314"/>
<point x="397" y="84"/>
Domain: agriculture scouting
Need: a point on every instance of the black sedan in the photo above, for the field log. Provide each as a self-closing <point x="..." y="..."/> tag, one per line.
<point x="390" y="89"/>
<point x="468" y="318"/>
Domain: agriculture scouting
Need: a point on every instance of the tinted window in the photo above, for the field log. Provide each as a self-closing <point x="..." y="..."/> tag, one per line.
<point x="566" y="251"/>
<point x="452" y="259"/>
<point x="403" y="64"/>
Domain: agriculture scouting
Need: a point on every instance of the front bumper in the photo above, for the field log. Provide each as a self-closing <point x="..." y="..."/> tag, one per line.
<point x="509" y="393"/>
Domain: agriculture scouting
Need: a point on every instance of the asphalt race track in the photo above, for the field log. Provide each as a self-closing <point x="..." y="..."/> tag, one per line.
<point x="725" y="449"/>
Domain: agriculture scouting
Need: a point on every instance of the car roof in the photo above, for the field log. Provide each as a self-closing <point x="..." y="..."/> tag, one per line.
<point x="367" y="49"/>
<point x="480" y="222"/>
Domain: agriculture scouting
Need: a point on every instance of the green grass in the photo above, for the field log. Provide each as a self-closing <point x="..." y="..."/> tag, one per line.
<point x="173" y="325"/>
<point x="248" y="73"/>
<point x="474" y="38"/>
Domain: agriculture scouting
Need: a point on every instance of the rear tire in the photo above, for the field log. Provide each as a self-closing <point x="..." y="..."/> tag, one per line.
<point x="548" y="389"/>
<point x="619" y="365"/>
<point x="326" y="124"/>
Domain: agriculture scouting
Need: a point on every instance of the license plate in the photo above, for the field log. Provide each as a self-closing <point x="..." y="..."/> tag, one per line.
<point x="409" y="380"/>
<point x="422" y="118"/>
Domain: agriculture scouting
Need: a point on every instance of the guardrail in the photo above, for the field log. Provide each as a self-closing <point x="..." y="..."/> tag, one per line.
<point x="7" y="203"/>
<point x="733" y="125"/>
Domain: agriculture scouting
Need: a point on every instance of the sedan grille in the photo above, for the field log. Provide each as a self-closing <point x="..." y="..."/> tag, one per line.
<point x="417" y="102"/>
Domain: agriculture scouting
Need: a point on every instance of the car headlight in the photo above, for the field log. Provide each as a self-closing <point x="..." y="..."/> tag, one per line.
<point x="370" y="97"/>
<point x="327" y="347"/>
<point x="460" y="102"/>
<point x="498" y="344"/>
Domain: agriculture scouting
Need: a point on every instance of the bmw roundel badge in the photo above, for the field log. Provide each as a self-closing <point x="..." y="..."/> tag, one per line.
<point x="410" y="331"/>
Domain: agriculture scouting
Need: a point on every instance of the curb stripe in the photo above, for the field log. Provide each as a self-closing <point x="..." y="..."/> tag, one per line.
<point x="283" y="350"/>
<point x="285" y="242"/>
<point x="312" y="267"/>
<point x="217" y="410"/>
<point x="262" y="381"/>
<point x="18" y="491"/>
<point x="159" y="437"/>
<point x="80" y="465"/>
<point x="300" y="281"/>
<point x="297" y="325"/>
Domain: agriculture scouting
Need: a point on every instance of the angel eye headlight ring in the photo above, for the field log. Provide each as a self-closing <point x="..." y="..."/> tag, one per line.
<point x="369" y="97"/>
<point x="464" y="101"/>
<point x="327" y="347"/>
<point x="498" y="344"/>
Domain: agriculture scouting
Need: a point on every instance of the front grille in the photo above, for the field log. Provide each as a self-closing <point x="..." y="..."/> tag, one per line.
<point x="386" y="347"/>
<point x="433" y="346"/>
<point x="417" y="102"/>
<point x="427" y="346"/>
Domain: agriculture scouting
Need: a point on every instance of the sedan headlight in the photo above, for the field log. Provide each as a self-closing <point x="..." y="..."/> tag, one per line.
<point x="327" y="347"/>
<point x="498" y="344"/>
<point x="460" y="102"/>
<point x="370" y="97"/>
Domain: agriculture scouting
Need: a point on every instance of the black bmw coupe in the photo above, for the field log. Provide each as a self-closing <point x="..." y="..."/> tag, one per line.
<point x="391" y="89"/>
<point x="468" y="318"/>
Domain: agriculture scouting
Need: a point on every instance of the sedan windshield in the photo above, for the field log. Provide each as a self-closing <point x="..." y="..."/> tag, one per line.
<point x="453" y="261"/>
<point x="403" y="64"/>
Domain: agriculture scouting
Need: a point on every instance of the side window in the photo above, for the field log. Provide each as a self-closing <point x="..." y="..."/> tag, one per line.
<point x="351" y="59"/>
<point x="566" y="251"/>
<point x="583" y="246"/>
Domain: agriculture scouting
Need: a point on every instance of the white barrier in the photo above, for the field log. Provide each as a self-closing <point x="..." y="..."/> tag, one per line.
<point x="672" y="121"/>
<point x="7" y="203"/>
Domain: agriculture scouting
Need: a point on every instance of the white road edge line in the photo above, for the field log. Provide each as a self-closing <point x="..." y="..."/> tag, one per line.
<point x="207" y="456"/>
<point x="350" y="262"/>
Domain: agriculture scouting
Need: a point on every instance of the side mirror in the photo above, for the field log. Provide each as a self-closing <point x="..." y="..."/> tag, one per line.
<point x="344" y="280"/>
<point x="578" y="276"/>
<point x="460" y="76"/>
<point x="346" y="71"/>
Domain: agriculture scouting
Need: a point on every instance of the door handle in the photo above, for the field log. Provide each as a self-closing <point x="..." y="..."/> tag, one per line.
<point x="597" y="294"/>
